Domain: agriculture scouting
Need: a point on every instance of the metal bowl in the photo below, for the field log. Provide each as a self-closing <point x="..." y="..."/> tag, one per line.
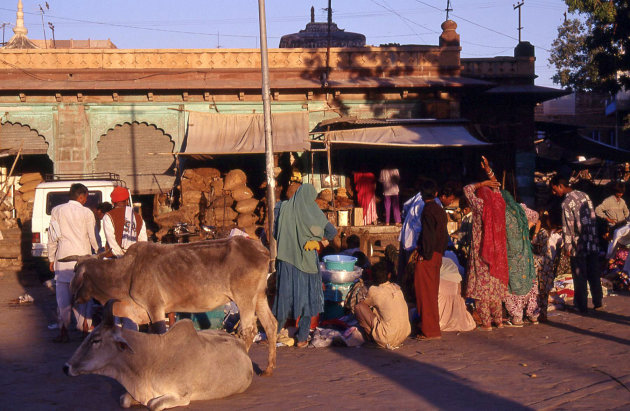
<point x="338" y="276"/>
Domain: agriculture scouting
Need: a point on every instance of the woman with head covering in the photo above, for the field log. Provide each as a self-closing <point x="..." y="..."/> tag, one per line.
<point x="523" y="284"/>
<point x="300" y="229"/>
<point x="487" y="264"/>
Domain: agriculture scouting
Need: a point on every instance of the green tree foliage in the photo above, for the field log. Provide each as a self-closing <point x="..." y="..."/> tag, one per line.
<point x="575" y="68"/>
<point x="608" y="41"/>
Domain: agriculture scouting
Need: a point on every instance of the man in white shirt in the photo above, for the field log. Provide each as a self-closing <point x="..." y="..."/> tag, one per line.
<point x="71" y="232"/>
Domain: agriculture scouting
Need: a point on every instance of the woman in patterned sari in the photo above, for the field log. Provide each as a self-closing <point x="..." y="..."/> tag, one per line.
<point x="487" y="265"/>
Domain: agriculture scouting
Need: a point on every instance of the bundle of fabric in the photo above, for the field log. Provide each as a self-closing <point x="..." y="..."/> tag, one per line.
<point x="615" y="273"/>
<point x="562" y="292"/>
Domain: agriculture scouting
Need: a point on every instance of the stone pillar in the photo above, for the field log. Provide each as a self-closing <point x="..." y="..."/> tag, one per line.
<point x="449" y="59"/>
<point x="72" y="146"/>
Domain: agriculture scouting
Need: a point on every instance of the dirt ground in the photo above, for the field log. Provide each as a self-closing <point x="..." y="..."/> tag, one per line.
<point x="572" y="362"/>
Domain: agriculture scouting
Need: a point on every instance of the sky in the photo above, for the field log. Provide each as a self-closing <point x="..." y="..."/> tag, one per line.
<point x="487" y="28"/>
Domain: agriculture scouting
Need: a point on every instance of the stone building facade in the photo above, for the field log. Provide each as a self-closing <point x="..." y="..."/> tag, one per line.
<point x="127" y="111"/>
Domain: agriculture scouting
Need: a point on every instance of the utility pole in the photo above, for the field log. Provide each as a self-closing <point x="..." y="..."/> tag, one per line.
<point x="52" y="28"/>
<point x="4" y="25"/>
<point x="41" y="10"/>
<point x="329" y="9"/>
<point x="448" y="8"/>
<point x="271" y="181"/>
<point x="518" y="6"/>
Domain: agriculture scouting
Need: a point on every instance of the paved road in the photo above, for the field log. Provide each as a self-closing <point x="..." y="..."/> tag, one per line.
<point x="572" y="362"/>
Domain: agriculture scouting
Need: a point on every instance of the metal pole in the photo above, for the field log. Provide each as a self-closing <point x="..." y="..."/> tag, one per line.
<point x="330" y="176"/>
<point x="518" y="6"/>
<point x="271" y="182"/>
<point x="43" y="29"/>
<point x="328" y="40"/>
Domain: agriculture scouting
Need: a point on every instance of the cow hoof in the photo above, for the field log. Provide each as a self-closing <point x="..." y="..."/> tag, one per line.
<point x="267" y="373"/>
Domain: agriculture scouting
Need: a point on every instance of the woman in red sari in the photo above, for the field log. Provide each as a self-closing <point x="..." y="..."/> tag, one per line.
<point x="365" y="183"/>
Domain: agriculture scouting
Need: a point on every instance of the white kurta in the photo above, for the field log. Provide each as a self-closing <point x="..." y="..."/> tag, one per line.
<point x="71" y="232"/>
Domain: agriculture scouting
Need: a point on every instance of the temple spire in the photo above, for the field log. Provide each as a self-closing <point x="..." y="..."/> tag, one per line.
<point x="312" y="14"/>
<point x="19" y="24"/>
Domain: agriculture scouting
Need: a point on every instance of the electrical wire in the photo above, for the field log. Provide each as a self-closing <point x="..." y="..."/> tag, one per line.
<point x="480" y="25"/>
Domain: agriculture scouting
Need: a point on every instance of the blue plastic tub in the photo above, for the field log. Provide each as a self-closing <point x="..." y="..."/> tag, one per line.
<point x="339" y="262"/>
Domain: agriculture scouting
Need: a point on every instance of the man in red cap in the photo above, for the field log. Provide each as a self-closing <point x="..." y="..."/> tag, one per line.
<point x="122" y="226"/>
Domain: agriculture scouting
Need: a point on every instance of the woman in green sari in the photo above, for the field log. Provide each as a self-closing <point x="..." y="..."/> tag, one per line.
<point x="522" y="285"/>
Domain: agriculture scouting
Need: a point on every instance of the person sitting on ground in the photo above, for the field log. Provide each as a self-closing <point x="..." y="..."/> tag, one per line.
<point x="383" y="313"/>
<point x="362" y="260"/>
<point x="353" y="244"/>
<point x="451" y="305"/>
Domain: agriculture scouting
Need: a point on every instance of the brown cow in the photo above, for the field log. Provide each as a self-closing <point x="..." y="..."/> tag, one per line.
<point x="168" y="370"/>
<point x="152" y="279"/>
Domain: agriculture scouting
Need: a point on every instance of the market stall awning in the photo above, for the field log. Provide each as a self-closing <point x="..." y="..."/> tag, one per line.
<point x="210" y="133"/>
<point x="407" y="136"/>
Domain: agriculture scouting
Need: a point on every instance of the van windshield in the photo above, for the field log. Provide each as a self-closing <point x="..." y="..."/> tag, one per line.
<point x="53" y="199"/>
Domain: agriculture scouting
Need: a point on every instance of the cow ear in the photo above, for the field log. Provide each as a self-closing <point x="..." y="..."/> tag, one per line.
<point x="122" y="344"/>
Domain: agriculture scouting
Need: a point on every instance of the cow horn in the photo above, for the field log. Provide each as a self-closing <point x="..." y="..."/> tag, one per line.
<point x="108" y="313"/>
<point x="69" y="258"/>
<point x="103" y="254"/>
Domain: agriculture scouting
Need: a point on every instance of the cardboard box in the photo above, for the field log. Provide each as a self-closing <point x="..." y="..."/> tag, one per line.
<point x="344" y="218"/>
<point x="357" y="216"/>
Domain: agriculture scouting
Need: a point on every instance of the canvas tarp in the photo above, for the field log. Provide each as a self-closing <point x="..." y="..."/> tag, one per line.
<point x="210" y="133"/>
<point x="407" y="136"/>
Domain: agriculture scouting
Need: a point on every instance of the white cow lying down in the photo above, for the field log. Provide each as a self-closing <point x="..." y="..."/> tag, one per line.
<point x="164" y="370"/>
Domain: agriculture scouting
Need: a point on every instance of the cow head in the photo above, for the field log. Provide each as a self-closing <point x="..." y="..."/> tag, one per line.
<point x="80" y="294"/>
<point x="100" y="349"/>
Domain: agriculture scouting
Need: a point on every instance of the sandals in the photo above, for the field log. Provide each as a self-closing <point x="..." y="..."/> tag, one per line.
<point x="486" y="327"/>
<point x="515" y="324"/>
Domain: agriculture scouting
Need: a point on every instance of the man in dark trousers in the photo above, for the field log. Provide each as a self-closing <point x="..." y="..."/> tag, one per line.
<point x="431" y="245"/>
<point x="580" y="243"/>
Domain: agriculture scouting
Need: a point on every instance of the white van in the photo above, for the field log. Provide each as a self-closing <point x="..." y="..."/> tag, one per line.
<point x="50" y="194"/>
